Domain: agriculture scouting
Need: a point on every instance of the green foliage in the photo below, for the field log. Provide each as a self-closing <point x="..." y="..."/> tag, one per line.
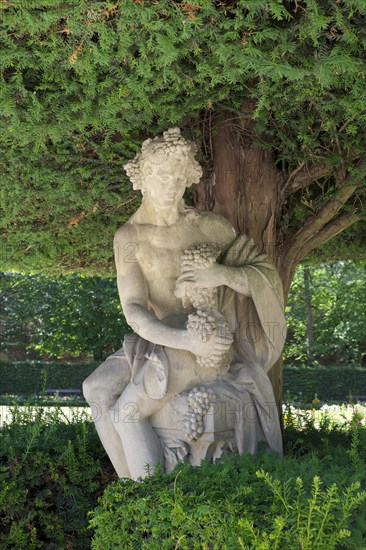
<point x="31" y="377"/>
<point x="50" y="476"/>
<point x="57" y="316"/>
<point x="306" y="523"/>
<point x="52" y="473"/>
<point x="258" y="502"/>
<point x="338" y="314"/>
<point x="331" y="383"/>
<point x="84" y="80"/>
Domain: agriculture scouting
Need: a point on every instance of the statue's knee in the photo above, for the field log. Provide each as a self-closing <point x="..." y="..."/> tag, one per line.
<point x="128" y="409"/>
<point x="88" y="389"/>
<point x="95" y="394"/>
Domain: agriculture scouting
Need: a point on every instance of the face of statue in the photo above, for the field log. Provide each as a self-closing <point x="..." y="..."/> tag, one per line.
<point x="165" y="183"/>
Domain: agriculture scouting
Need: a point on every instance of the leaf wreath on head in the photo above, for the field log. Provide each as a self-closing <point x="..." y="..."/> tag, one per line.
<point x="157" y="151"/>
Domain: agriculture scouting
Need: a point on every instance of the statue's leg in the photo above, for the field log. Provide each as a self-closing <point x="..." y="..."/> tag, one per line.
<point x="131" y="414"/>
<point x="141" y="444"/>
<point x="101" y="390"/>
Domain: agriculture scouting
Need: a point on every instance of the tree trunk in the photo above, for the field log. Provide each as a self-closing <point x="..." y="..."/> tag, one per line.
<point x="308" y="313"/>
<point x="243" y="185"/>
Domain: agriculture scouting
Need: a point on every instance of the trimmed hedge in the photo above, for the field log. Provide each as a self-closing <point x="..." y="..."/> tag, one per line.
<point x="329" y="383"/>
<point x="248" y="502"/>
<point x="52" y="473"/>
<point x="27" y="378"/>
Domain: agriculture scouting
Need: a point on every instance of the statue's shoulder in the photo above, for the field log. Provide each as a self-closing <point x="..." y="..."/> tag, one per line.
<point x="212" y="223"/>
<point x="126" y="233"/>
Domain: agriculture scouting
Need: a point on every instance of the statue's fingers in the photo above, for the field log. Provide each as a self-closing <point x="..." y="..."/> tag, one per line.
<point x="216" y="356"/>
<point x="221" y="346"/>
<point x="186" y="272"/>
<point x="224" y="338"/>
<point x="184" y="278"/>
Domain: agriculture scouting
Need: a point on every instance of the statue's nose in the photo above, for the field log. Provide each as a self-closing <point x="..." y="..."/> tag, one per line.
<point x="172" y="182"/>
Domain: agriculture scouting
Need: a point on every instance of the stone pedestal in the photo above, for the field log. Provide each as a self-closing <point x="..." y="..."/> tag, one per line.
<point x="218" y="437"/>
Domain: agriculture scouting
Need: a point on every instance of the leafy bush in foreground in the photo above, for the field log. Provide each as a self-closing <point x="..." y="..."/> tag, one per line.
<point x="50" y="476"/>
<point x="52" y="473"/>
<point x="304" y="501"/>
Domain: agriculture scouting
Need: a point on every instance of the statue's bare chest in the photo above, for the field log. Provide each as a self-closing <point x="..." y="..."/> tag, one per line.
<point x="160" y="249"/>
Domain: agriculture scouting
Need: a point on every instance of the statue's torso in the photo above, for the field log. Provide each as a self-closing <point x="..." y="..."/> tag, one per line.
<point x="159" y="251"/>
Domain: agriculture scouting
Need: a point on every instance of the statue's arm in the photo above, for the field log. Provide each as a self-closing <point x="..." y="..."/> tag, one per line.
<point x="235" y="278"/>
<point x="134" y="300"/>
<point x="133" y="295"/>
<point x="218" y="274"/>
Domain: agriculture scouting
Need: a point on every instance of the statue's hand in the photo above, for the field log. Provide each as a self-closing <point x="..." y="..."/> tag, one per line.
<point x="207" y="277"/>
<point x="215" y="345"/>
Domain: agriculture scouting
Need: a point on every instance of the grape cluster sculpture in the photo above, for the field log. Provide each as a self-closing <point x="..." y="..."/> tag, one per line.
<point x="156" y="151"/>
<point x="206" y="320"/>
<point x="199" y="400"/>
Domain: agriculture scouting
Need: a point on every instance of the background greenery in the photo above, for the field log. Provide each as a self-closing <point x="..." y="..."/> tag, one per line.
<point x="33" y="377"/>
<point x="75" y="315"/>
<point x="50" y="317"/>
<point x="326" y="314"/>
<point x="69" y="315"/>
<point x="333" y="383"/>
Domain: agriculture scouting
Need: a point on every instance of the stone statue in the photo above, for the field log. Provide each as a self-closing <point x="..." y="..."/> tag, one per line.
<point x="206" y="309"/>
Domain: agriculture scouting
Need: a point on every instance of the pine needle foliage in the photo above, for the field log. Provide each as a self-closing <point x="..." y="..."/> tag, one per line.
<point x="83" y="81"/>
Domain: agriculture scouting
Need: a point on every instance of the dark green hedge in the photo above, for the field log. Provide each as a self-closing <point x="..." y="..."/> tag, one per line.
<point x="27" y="378"/>
<point x="251" y="502"/>
<point x="329" y="383"/>
<point x="51" y="475"/>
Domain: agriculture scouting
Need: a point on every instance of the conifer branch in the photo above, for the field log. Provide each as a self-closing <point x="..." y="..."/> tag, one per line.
<point x="305" y="175"/>
<point x="330" y="230"/>
<point x="316" y="223"/>
<point x="349" y="121"/>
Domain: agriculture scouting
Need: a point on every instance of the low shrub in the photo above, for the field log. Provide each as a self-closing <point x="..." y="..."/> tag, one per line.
<point x="305" y="501"/>
<point x="51" y="473"/>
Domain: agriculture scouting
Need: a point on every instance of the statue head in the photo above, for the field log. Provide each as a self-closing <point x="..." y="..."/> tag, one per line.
<point x="157" y="151"/>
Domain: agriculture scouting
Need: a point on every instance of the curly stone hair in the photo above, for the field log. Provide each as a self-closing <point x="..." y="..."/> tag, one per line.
<point x="158" y="150"/>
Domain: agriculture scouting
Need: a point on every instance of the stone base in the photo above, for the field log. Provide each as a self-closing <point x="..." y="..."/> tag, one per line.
<point x="217" y="438"/>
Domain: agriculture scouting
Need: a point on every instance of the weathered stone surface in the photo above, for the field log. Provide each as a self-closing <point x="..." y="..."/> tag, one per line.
<point x="207" y="313"/>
